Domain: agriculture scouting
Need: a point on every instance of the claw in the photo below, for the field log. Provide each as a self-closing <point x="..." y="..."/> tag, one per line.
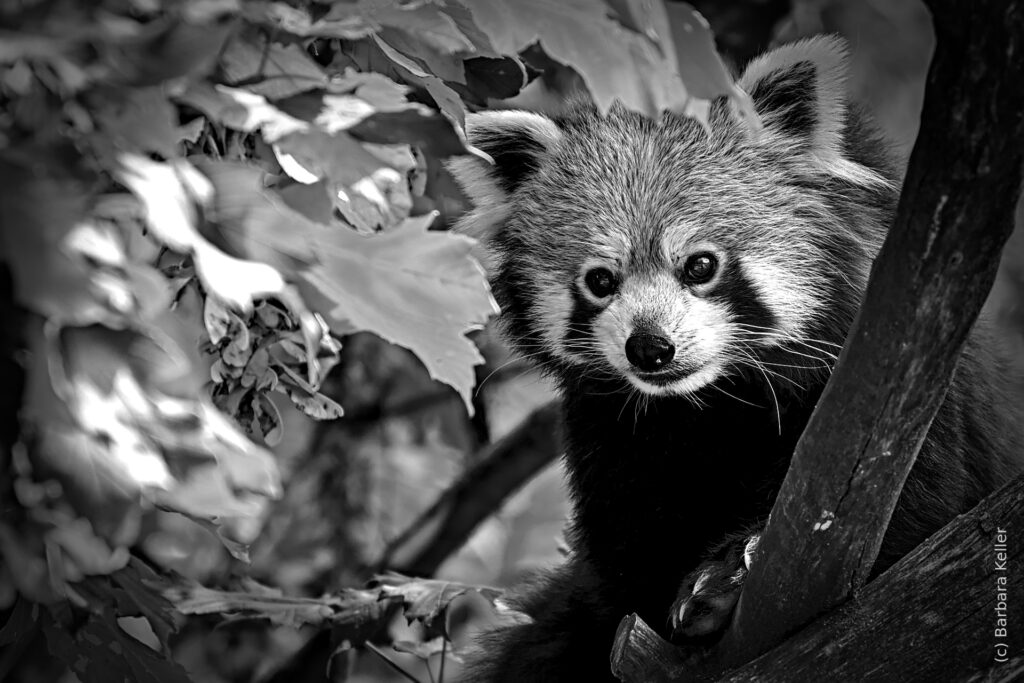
<point x="710" y="593"/>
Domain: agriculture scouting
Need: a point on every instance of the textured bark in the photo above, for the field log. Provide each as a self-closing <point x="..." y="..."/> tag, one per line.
<point x="640" y="654"/>
<point x="930" y="617"/>
<point x="926" y="289"/>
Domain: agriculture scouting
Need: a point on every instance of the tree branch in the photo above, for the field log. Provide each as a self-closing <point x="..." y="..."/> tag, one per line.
<point x="944" y="594"/>
<point x="501" y="469"/>
<point x="926" y="289"/>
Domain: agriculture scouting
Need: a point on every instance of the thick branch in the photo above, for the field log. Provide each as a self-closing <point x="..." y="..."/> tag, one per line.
<point x="640" y="654"/>
<point x="503" y="467"/>
<point x="925" y="291"/>
<point x="934" y="615"/>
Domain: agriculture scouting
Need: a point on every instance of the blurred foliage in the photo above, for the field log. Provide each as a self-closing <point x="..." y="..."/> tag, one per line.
<point x="204" y="201"/>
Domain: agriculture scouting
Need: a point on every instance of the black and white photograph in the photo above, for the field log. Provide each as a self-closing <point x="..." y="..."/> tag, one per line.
<point x="511" y="341"/>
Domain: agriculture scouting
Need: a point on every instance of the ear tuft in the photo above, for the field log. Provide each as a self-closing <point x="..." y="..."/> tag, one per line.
<point x="517" y="141"/>
<point x="799" y="90"/>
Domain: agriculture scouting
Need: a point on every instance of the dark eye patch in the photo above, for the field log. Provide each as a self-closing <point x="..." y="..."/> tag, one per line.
<point x="734" y="289"/>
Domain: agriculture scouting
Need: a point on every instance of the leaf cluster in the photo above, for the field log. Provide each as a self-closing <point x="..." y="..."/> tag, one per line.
<point x="201" y="198"/>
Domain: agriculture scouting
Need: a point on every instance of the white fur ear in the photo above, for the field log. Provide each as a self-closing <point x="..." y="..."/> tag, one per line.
<point x="517" y="142"/>
<point x="799" y="90"/>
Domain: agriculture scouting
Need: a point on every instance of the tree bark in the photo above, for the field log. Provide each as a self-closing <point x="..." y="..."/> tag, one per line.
<point x="933" y="616"/>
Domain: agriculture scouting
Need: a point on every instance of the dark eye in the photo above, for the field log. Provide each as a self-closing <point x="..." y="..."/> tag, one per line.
<point x="601" y="282"/>
<point x="700" y="268"/>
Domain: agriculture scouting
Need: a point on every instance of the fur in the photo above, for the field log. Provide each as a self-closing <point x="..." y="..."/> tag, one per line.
<point x="662" y="468"/>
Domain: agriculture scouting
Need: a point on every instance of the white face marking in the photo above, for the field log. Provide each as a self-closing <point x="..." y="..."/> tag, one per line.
<point x="708" y="337"/>
<point x="686" y="385"/>
<point x="785" y="293"/>
<point x="697" y="328"/>
<point x="555" y="311"/>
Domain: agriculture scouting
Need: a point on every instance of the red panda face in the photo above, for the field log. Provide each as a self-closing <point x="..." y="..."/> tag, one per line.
<point x="656" y="329"/>
<point x="667" y="259"/>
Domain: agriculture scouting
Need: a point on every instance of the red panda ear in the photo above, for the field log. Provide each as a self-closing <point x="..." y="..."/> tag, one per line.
<point x="799" y="90"/>
<point x="517" y="141"/>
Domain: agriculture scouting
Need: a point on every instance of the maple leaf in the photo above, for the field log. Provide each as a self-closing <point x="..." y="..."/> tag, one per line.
<point x="414" y="287"/>
<point x="428" y="600"/>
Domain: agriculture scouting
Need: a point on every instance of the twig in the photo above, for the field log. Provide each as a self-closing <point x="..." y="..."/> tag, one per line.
<point x="444" y="655"/>
<point x="394" y="665"/>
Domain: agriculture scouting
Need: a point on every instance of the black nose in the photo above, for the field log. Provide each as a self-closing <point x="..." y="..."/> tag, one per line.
<point x="648" y="352"/>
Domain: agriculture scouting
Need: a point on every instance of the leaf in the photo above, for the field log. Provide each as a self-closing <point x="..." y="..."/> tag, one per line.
<point x="180" y="453"/>
<point x="434" y="134"/>
<point x="73" y="551"/>
<point x="426" y="22"/>
<point x="141" y="120"/>
<point x="696" y="57"/>
<point x="423" y="650"/>
<point x="317" y="406"/>
<point x="428" y="600"/>
<point x="269" y="69"/>
<point x="338" y="157"/>
<point x="134" y="591"/>
<point x="699" y="63"/>
<point x="95" y="478"/>
<point x="242" y="110"/>
<point x="99" y="651"/>
<point x="463" y="18"/>
<point x="447" y="100"/>
<point x="615" y="63"/>
<point x="36" y="215"/>
<point x="419" y="289"/>
<point x="441" y="62"/>
<point x="183" y="48"/>
<point x="494" y="78"/>
<point x="256" y="223"/>
<point x="170" y="194"/>
<point x="348" y="606"/>
<point x="377" y="111"/>
<point x="235" y="280"/>
<point x="377" y="89"/>
<point x="217" y="318"/>
<point x="297" y="21"/>
<point x="312" y="201"/>
<point x="20" y="622"/>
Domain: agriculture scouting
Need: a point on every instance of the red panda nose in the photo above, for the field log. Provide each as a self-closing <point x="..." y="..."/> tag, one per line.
<point x="648" y="352"/>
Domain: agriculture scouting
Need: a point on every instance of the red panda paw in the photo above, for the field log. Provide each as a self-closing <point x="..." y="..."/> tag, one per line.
<point x="709" y="593"/>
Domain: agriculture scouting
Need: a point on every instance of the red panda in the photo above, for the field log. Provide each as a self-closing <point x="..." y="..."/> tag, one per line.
<point x="689" y="291"/>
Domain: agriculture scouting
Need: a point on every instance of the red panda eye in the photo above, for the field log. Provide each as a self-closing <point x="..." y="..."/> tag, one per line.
<point x="700" y="268"/>
<point x="601" y="282"/>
